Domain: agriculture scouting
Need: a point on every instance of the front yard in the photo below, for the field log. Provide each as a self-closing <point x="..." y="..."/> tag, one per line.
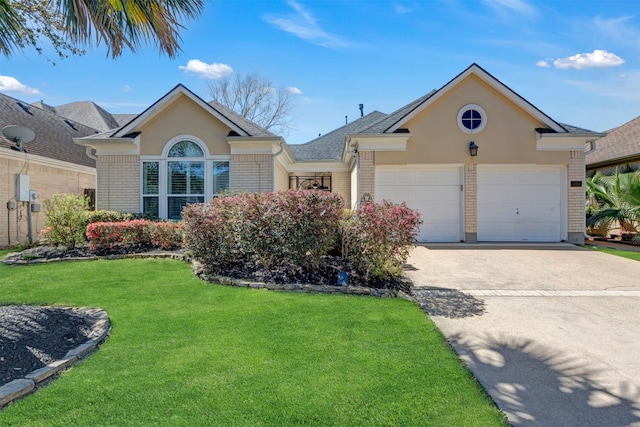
<point x="183" y="352"/>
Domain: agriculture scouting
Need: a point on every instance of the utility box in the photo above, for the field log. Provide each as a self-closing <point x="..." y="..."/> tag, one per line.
<point x="22" y="188"/>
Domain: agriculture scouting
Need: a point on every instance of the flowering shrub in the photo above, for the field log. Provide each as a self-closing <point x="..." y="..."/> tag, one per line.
<point x="292" y="226"/>
<point x="107" y="216"/>
<point x="102" y="235"/>
<point x="65" y="219"/>
<point x="380" y="236"/>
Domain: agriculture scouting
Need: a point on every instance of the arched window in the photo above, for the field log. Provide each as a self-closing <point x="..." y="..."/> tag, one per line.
<point x="185" y="174"/>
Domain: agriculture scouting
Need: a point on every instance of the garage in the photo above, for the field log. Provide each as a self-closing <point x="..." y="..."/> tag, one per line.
<point x="435" y="192"/>
<point x="521" y="203"/>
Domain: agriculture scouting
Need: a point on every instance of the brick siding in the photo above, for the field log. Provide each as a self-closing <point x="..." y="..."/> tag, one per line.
<point x="118" y="183"/>
<point x="251" y="172"/>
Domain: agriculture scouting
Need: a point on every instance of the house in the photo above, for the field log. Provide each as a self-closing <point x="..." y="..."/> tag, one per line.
<point x="49" y="164"/>
<point x="619" y="149"/>
<point x="477" y="160"/>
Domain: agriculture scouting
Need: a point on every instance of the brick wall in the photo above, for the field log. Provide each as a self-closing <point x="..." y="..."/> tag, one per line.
<point x="471" y="199"/>
<point x="576" y="198"/>
<point x="341" y="185"/>
<point x="366" y="175"/>
<point x="118" y="183"/>
<point x="251" y="172"/>
<point x="47" y="180"/>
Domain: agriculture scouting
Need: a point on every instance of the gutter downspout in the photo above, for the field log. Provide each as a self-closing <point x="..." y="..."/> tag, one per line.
<point x="354" y="153"/>
<point x="273" y="165"/>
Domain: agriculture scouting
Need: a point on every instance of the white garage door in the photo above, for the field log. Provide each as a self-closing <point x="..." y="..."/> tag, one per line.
<point x="435" y="193"/>
<point x="521" y="203"/>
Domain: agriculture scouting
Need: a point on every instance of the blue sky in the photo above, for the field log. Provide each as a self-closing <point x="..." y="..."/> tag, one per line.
<point x="578" y="61"/>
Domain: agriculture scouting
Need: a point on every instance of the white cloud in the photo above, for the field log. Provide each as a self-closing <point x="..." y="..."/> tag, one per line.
<point x="11" y="84"/>
<point x="598" y="58"/>
<point x="543" y="64"/>
<point x="210" y="71"/>
<point x="304" y="25"/>
<point x="126" y="88"/>
<point x="294" y="90"/>
<point x="401" y="9"/>
<point x="520" y="7"/>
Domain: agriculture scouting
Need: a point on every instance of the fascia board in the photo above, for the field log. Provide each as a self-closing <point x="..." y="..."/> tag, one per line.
<point x="565" y="141"/>
<point x="379" y="142"/>
<point x="165" y="102"/>
<point x="495" y="84"/>
<point x="46" y="161"/>
<point x="254" y="145"/>
<point x="111" y="145"/>
<point x="306" y="167"/>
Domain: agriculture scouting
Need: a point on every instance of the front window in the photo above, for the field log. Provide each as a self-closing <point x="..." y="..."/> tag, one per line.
<point x="184" y="177"/>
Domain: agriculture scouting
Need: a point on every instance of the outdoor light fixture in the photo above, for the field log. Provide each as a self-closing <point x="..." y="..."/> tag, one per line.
<point x="473" y="149"/>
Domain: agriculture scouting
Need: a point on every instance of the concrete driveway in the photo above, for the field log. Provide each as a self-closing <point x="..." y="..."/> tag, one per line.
<point x="552" y="332"/>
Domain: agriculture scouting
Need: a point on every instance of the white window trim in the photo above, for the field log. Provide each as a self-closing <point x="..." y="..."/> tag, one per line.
<point x="483" y="116"/>
<point x="162" y="172"/>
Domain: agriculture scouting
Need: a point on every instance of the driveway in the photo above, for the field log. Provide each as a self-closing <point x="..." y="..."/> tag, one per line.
<point x="552" y="332"/>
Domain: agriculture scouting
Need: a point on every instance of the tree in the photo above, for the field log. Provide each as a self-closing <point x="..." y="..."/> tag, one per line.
<point x="614" y="199"/>
<point x="68" y="24"/>
<point x="255" y="98"/>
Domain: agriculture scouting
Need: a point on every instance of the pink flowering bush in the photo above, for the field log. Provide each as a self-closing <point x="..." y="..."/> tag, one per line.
<point x="103" y="235"/>
<point x="378" y="237"/>
<point x="266" y="228"/>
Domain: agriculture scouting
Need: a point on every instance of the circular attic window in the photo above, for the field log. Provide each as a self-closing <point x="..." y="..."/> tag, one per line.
<point x="472" y="118"/>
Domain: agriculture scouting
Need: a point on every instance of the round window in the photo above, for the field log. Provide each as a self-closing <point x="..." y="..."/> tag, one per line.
<point x="472" y="118"/>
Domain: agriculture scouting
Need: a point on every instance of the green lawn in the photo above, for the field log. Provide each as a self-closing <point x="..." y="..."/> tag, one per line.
<point x="625" y="254"/>
<point x="183" y="352"/>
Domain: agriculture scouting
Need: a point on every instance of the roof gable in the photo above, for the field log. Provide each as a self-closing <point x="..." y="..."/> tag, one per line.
<point x="399" y="118"/>
<point x="235" y="122"/>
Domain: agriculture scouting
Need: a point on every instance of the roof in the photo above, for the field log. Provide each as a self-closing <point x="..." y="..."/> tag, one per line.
<point x="88" y="113"/>
<point x="123" y="119"/>
<point x="330" y="146"/>
<point x="53" y="133"/>
<point x="251" y="128"/>
<point x="619" y="144"/>
<point x="393" y="118"/>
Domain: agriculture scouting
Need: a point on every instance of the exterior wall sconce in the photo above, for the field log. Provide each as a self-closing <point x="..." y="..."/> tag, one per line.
<point x="366" y="198"/>
<point x="473" y="149"/>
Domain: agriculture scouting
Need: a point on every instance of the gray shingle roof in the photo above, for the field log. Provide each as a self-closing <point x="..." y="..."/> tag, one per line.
<point x="123" y="119"/>
<point x="251" y="128"/>
<point x="89" y="114"/>
<point x="328" y="147"/>
<point x="575" y="129"/>
<point x="393" y="118"/>
<point x="620" y="143"/>
<point x="53" y="133"/>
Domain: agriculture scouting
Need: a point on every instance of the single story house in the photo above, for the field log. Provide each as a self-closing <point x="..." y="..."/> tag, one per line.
<point x="619" y="149"/>
<point x="477" y="160"/>
<point x="49" y="164"/>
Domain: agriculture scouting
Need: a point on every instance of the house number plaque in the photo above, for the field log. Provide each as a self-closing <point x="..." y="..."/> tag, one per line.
<point x="576" y="183"/>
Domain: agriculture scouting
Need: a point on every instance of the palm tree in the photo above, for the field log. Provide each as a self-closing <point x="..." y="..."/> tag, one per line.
<point x="614" y="199"/>
<point x="118" y="23"/>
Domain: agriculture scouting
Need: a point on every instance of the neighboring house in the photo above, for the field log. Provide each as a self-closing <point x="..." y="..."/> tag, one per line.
<point x="50" y="164"/>
<point x="619" y="149"/>
<point x="526" y="182"/>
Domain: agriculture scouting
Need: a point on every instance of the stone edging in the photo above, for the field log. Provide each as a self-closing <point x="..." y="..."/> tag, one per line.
<point x="23" y="386"/>
<point x="171" y="255"/>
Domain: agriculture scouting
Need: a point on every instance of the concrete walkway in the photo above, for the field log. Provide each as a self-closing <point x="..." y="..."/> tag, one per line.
<point x="551" y="331"/>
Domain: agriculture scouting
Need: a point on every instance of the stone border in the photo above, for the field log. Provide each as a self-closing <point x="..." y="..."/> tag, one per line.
<point x="171" y="255"/>
<point x="23" y="386"/>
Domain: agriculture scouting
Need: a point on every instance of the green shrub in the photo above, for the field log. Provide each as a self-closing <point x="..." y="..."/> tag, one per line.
<point x="107" y="216"/>
<point x="65" y="219"/>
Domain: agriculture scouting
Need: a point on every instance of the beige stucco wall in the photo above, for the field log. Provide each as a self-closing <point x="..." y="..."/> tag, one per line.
<point x="282" y="177"/>
<point x="118" y="183"/>
<point x="183" y="117"/>
<point x="251" y="172"/>
<point x="509" y="136"/>
<point x="45" y="178"/>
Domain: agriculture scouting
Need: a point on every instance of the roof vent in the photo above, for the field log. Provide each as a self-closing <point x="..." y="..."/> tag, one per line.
<point x="25" y="108"/>
<point x="233" y="133"/>
<point x="71" y="124"/>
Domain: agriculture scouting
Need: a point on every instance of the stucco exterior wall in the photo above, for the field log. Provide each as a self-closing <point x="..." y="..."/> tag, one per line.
<point x="509" y="136"/>
<point x="118" y="183"/>
<point x="183" y="117"/>
<point x="282" y="177"/>
<point x="47" y="179"/>
<point x="251" y="172"/>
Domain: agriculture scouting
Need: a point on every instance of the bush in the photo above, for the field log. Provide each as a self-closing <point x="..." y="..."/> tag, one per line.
<point x="103" y="235"/>
<point x="107" y="216"/>
<point x="266" y="228"/>
<point x="65" y="219"/>
<point x="380" y="236"/>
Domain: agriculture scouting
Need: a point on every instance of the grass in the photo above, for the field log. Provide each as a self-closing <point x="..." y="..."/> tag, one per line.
<point x="618" y="252"/>
<point x="183" y="352"/>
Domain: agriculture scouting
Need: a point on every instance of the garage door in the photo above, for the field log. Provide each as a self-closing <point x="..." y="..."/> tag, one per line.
<point x="520" y="203"/>
<point x="435" y="193"/>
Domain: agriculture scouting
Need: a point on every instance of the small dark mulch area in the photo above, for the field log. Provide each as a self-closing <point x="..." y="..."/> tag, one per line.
<point x="32" y="337"/>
